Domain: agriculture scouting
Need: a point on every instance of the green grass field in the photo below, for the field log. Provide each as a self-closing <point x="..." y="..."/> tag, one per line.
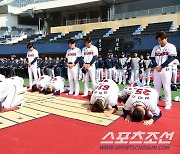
<point x="174" y="93"/>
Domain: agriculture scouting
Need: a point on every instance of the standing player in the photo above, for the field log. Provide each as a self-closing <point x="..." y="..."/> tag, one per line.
<point x="32" y="56"/>
<point x="105" y="97"/>
<point x="134" y="64"/>
<point x="100" y="66"/>
<point x="174" y="65"/>
<point x="143" y="101"/>
<point x="73" y="56"/>
<point x="123" y="68"/>
<point x="162" y="55"/>
<point x="89" y="56"/>
<point x="147" y="70"/>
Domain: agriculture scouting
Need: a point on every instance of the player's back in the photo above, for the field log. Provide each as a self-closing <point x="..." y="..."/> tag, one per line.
<point x="146" y="95"/>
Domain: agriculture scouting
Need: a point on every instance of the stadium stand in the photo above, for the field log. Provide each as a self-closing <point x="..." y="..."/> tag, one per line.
<point x="99" y="33"/>
<point x="154" y="27"/>
<point x="127" y="30"/>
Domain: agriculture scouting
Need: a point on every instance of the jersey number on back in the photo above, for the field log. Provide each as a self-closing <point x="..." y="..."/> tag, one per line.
<point x="103" y="87"/>
<point x="143" y="91"/>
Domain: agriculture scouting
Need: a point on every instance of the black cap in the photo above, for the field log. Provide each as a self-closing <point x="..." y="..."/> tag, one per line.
<point x="122" y="53"/>
<point x="147" y="54"/>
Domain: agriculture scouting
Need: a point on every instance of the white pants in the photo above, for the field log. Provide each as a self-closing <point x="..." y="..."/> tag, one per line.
<point x="12" y="99"/>
<point x="100" y="73"/>
<point x="90" y="73"/>
<point x="163" y="78"/>
<point x="174" y="75"/>
<point x="32" y="71"/>
<point x="73" y="75"/>
<point x="39" y="72"/>
<point x="146" y="74"/>
<point x="109" y="73"/>
<point x="114" y="73"/>
<point x="134" y="75"/>
<point x="122" y="76"/>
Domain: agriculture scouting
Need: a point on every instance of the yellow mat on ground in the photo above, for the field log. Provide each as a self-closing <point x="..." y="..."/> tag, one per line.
<point x="39" y="105"/>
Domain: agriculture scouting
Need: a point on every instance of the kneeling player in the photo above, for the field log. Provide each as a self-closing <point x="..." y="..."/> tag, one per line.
<point x="19" y="82"/>
<point x="56" y="86"/>
<point x="41" y="83"/>
<point x="9" y="98"/>
<point x="104" y="97"/>
<point x="143" y="101"/>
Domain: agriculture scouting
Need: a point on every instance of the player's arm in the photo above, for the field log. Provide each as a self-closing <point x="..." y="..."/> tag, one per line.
<point x="152" y="120"/>
<point x="169" y="60"/>
<point x="126" y="115"/>
<point x="34" y="60"/>
<point x="112" y="110"/>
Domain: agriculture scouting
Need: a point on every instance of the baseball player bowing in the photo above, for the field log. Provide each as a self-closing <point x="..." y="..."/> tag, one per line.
<point x="19" y="82"/>
<point x="40" y="83"/>
<point x="143" y="101"/>
<point x="32" y="56"/>
<point x="73" y="56"/>
<point x="56" y="86"/>
<point x="89" y="56"/>
<point x="105" y="97"/>
<point x="162" y="55"/>
<point x="9" y="97"/>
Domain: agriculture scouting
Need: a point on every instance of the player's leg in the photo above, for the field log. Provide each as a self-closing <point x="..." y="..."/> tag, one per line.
<point x="144" y="77"/>
<point x="175" y="76"/>
<point x="34" y="70"/>
<point x="157" y="81"/>
<point x="132" y="75"/>
<point x="120" y="75"/>
<point x="148" y="77"/>
<point x="86" y="83"/>
<point x="39" y="72"/>
<point x="75" y="76"/>
<point x="166" y="81"/>
<point x="91" y="71"/>
<point x="71" y="84"/>
<point x="30" y="77"/>
<point x="136" y="75"/>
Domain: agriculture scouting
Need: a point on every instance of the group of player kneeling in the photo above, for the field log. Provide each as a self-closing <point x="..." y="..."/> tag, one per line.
<point x="140" y="102"/>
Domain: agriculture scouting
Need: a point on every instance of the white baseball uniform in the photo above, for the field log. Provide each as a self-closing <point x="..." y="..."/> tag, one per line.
<point x="42" y="82"/>
<point x="72" y="55"/>
<point x="57" y="84"/>
<point x="8" y="94"/>
<point x="87" y="54"/>
<point x="108" y="91"/>
<point x="130" y="88"/>
<point x="33" y="68"/>
<point x="2" y="77"/>
<point x="19" y="83"/>
<point x="145" y="96"/>
<point x="174" y="65"/>
<point x="164" y="77"/>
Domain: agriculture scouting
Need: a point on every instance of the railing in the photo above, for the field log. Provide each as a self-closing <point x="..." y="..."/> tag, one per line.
<point x="163" y="10"/>
<point x="84" y="21"/>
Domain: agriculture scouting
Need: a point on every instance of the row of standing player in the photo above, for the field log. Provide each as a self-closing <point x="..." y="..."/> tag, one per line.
<point x="128" y="69"/>
<point x="47" y="66"/>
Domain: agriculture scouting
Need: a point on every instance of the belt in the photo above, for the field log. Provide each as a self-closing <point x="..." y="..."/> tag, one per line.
<point x="70" y="63"/>
<point x="87" y="63"/>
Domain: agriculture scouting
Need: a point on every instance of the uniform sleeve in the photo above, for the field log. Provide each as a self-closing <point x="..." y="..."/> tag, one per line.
<point x="82" y="54"/>
<point x="92" y="100"/>
<point x="36" y="54"/>
<point x="153" y="52"/>
<point x="95" y="51"/>
<point x="79" y="53"/>
<point x="128" y="106"/>
<point x="172" y="50"/>
<point x="154" y="110"/>
<point x="112" y="102"/>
